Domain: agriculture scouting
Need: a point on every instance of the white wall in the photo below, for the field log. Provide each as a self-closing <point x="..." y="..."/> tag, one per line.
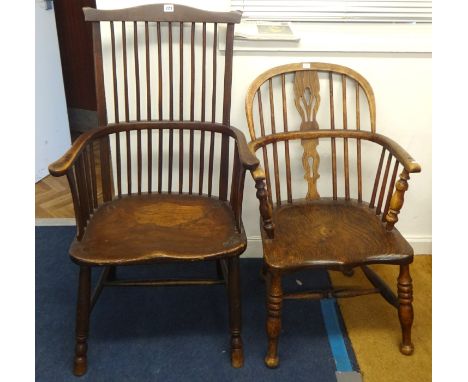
<point x="52" y="129"/>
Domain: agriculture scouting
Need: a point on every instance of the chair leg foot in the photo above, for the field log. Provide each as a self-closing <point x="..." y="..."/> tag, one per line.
<point x="273" y="324"/>
<point x="405" y="309"/>
<point x="82" y="321"/>
<point x="271" y="362"/>
<point x="80" y="366"/>
<point x="235" y="313"/>
<point x="237" y="357"/>
<point x="407" y="349"/>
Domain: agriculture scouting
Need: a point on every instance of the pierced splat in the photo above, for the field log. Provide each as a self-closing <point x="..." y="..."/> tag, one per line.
<point x="307" y="101"/>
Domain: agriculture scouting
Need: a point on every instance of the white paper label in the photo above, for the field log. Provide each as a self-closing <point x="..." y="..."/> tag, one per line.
<point x="168" y="7"/>
<point x="305" y="65"/>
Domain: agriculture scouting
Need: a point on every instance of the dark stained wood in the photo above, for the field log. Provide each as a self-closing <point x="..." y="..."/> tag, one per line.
<point x="330" y="293"/>
<point x="171" y="74"/>
<point x="201" y="163"/>
<point x="124" y="57"/>
<point x="157" y="283"/>
<point x="160" y="69"/>
<point x="192" y="72"/>
<point x="214" y="50"/>
<point x="155" y="12"/>
<point x="137" y="71"/>
<point x="139" y="160"/>
<point x="134" y="225"/>
<point x="160" y="160"/>
<point x="119" y="164"/>
<point x="149" y="133"/>
<point x="114" y="76"/>
<point x="104" y="152"/>
<point x="151" y="227"/>
<point x="339" y="231"/>
<point x="181" y="71"/>
<point x="76" y="53"/>
<point x="203" y="79"/>
<point x="148" y="74"/>
<point x="210" y="165"/>
<point x="235" y="319"/>
<point x="82" y="321"/>
<point x="129" y="163"/>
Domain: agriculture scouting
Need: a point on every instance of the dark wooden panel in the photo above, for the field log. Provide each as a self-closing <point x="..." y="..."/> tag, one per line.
<point x="76" y="53"/>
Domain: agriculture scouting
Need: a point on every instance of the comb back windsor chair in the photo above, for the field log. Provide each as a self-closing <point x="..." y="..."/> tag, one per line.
<point x="161" y="179"/>
<point x="299" y="116"/>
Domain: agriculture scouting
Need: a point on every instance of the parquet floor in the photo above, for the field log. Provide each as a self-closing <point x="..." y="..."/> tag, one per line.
<point x="53" y="198"/>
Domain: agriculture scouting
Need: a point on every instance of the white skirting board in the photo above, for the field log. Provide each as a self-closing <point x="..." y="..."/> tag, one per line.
<point x="422" y="245"/>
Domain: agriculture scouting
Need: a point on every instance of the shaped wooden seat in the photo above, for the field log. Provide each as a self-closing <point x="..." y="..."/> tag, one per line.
<point x="327" y="185"/>
<point x="162" y="177"/>
<point x="333" y="234"/>
<point x="159" y="227"/>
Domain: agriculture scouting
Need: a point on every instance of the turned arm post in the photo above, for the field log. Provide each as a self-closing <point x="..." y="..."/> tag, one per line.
<point x="265" y="206"/>
<point x="398" y="197"/>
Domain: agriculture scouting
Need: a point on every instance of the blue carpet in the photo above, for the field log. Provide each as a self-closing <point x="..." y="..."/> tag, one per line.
<point x="172" y="334"/>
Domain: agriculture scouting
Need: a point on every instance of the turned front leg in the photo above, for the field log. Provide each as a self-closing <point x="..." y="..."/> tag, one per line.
<point x="273" y="324"/>
<point x="82" y="321"/>
<point x="405" y="308"/>
<point x="235" y="313"/>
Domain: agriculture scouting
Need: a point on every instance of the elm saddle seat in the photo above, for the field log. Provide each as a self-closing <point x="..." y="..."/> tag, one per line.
<point x="159" y="227"/>
<point x="339" y="233"/>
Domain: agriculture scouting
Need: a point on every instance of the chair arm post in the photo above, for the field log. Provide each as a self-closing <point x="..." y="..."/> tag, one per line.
<point x="265" y="206"/>
<point x="398" y="197"/>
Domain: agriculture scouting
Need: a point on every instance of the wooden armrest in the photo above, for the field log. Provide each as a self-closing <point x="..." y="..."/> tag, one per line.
<point x="397" y="151"/>
<point x="61" y="166"/>
<point x="247" y="158"/>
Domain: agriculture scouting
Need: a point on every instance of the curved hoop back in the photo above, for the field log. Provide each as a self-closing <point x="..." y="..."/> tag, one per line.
<point x="329" y="88"/>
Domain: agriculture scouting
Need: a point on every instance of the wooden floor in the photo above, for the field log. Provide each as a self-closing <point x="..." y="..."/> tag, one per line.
<point x="371" y="323"/>
<point x="53" y="198"/>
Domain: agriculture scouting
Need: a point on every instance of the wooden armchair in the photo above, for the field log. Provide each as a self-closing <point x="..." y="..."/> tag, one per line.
<point x="161" y="179"/>
<point x="316" y="122"/>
